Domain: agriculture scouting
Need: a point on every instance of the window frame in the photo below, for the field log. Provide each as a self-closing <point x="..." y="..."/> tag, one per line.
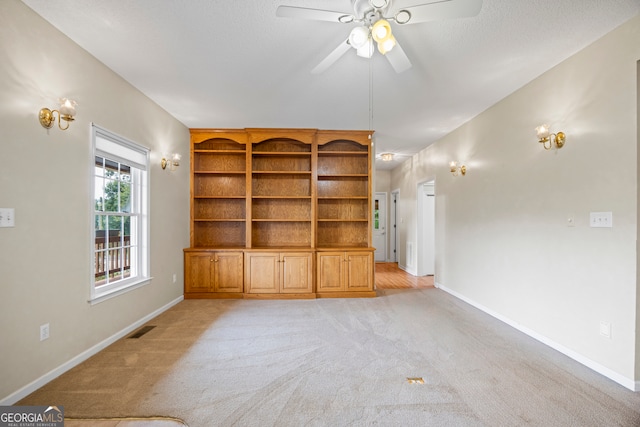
<point x="116" y="148"/>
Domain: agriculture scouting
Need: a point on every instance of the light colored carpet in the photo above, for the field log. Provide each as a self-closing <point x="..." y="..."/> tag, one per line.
<point x="124" y="422"/>
<point x="338" y="362"/>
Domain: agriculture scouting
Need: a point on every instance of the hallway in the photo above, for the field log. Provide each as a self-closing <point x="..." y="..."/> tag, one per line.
<point x="390" y="276"/>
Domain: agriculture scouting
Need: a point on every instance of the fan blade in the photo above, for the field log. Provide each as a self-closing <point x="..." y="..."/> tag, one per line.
<point x="313" y="14"/>
<point x="398" y="59"/>
<point x="446" y="9"/>
<point x="332" y="57"/>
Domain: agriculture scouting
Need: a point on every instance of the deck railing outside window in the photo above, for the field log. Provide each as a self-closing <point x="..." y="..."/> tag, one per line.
<point x="113" y="257"/>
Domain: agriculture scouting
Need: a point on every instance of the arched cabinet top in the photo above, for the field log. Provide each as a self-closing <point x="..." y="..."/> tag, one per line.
<point x="201" y="135"/>
<point x="362" y="137"/>
<point x="306" y="136"/>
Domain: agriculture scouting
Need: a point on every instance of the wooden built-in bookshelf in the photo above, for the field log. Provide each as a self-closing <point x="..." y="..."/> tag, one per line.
<point x="290" y="192"/>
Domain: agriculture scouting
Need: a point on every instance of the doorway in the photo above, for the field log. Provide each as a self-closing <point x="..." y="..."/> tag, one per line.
<point x="380" y="226"/>
<point x="426" y="255"/>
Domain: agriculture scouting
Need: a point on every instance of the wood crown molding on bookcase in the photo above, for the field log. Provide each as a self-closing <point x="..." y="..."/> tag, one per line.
<point x="295" y="202"/>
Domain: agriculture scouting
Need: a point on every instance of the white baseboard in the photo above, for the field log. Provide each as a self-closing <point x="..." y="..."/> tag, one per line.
<point x="53" y="374"/>
<point x="407" y="269"/>
<point x="603" y="370"/>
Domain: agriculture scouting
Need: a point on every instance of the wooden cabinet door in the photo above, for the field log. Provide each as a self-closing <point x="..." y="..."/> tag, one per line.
<point x="262" y="272"/>
<point x="296" y="272"/>
<point x="359" y="271"/>
<point x="198" y="272"/>
<point x="330" y="271"/>
<point x="228" y="275"/>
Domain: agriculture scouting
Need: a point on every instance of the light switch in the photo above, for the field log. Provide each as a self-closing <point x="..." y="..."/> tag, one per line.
<point x="7" y="217"/>
<point x="601" y="219"/>
<point x="605" y="329"/>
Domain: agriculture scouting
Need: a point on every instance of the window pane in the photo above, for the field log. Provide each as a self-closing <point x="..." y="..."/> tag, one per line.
<point x="111" y="166"/>
<point x="126" y="227"/>
<point x="115" y="264"/>
<point x="100" y="267"/>
<point x="125" y="196"/>
<point x="101" y="225"/>
<point x="111" y="192"/>
<point x="99" y="184"/>
<point x="99" y="167"/>
<point x="115" y="230"/>
<point x="125" y="173"/>
<point x="126" y="261"/>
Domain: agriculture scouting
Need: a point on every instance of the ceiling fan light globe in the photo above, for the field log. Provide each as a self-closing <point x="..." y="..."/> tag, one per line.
<point x="366" y="51"/>
<point x="381" y="30"/>
<point x="359" y="37"/>
<point x="386" y="45"/>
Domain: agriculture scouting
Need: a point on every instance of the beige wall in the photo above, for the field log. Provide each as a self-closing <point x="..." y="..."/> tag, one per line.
<point x="45" y="259"/>
<point x="502" y="239"/>
<point x="382" y="181"/>
<point x="638" y="222"/>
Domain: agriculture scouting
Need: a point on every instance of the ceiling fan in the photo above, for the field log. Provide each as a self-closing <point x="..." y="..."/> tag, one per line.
<point x="373" y="18"/>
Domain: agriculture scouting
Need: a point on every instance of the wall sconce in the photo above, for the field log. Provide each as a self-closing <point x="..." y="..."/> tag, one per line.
<point x="386" y="157"/>
<point x="66" y="112"/>
<point x="457" y="170"/>
<point x="171" y="160"/>
<point x="548" y="139"/>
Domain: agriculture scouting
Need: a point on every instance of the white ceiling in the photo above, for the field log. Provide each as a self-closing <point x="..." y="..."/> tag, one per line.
<point x="217" y="63"/>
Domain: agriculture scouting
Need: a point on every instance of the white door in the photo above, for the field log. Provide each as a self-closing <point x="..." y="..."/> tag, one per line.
<point x="426" y="229"/>
<point x="380" y="226"/>
<point x="393" y="227"/>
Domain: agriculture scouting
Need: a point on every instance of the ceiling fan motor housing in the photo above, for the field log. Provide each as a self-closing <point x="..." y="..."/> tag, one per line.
<point x="368" y="8"/>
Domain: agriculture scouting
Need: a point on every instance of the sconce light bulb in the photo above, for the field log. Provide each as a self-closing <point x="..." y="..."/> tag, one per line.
<point x="67" y="109"/>
<point x="542" y="132"/>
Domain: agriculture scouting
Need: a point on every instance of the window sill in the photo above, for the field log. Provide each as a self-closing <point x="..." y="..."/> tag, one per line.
<point x="104" y="296"/>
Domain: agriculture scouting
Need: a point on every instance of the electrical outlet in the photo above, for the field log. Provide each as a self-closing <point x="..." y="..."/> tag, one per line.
<point x="175" y="278"/>
<point x="44" y="332"/>
<point x="601" y="219"/>
<point x="7" y="217"/>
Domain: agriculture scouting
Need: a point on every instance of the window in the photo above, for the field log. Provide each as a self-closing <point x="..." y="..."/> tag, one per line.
<point x="120" y="218"/>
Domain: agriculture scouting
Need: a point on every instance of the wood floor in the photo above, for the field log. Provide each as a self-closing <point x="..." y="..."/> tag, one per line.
<point x="390" y="276"/>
